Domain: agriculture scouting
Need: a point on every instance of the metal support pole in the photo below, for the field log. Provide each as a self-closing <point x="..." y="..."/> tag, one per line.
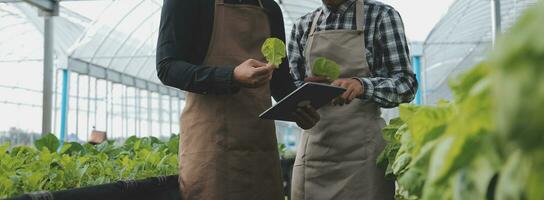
<point x="149" y="110"/>
<point x="87" y="127"/>
<point x="416" y="50"/>
<point x="64" y="105"/>
<point x="423" y="83"/>
<point x="126" y="118"/>
<point x="495" y="19"/>
<point x="77" y="107"/>
<point x="48" y="40"/>
<point x="106" y="100"/>
<point x="123" y="95"/>
<point x="112" y="113"/>
<point x="160" y="112"/>
<point x="95" y="103"/>
<point x="137" y="127"/>
<point x="55" y="105"/>
<point x="417" y="70"/>
<point x="179" y="115"/>
<point x="170" y="110"/>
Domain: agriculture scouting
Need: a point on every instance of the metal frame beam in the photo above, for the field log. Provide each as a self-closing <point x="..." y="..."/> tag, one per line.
<point x="50" y="6"/>
<point x="495" y="19"/>
<point x="49" y="9"/>
<point x="99" y="72"/>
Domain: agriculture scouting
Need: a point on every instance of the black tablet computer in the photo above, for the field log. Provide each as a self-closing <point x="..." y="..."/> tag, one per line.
<point x="315" y="94"/>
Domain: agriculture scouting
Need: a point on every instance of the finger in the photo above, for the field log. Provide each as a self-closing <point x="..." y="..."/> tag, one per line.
<point x="298" y="117"/>
<point x="313" y="113"/>
<point x="341" y="101"/>
<point x="336" y="83"/>
<point x="354" y="95"/>
<point x="300" y="120"/>
<point x="271" y="66"/>
<point x="263" y="71"/>
<point x="265" y="78"/>
<point x="337" y="101"/>
<point x="262" y="80"/>
<point x="305" y="116"/>
<point x="345" y="84"/>
<point x="256" y="63"/>
<point x="347" y="93"/>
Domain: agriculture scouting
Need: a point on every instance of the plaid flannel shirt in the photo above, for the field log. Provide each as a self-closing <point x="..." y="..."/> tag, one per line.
<point x="391" y="81"/>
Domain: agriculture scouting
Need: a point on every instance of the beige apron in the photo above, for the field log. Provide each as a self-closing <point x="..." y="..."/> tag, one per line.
<point x="337" y="158"/>
<point x="226" y="151"/>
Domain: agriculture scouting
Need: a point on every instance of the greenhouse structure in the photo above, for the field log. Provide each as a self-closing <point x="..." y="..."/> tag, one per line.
<point x="104" y="76"/>
<point x="75" y="69"/>
<point x="460" y="40"/>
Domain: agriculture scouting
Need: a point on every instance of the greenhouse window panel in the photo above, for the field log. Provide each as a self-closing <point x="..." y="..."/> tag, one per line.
<point x="93" y="70"/>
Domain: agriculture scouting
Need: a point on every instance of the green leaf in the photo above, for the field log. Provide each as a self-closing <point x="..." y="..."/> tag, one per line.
<point x="513" y="177"/>
<point x="65" y="148"/>
<point x="48" y="141"/>
<point x="273" y="50"/>
<point x="412" y="181"/>
<point x="173" y="144"/>
<point x="75" y="148"/>
<point x="536" y="180"/>
<point x="390" y="130"/>
<point x="324" y="67"/>
<point x="519" y="89"/>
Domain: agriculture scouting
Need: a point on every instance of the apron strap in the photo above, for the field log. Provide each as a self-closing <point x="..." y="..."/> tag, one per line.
<point x="360" y="15"/>
<point x="314" y="23"/>
<point x="223" y="2"/>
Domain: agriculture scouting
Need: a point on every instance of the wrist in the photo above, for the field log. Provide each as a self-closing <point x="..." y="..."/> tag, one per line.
<point x="368" y="89"/>
<point x="226" y="77"/>
<point x="359" y="81"/>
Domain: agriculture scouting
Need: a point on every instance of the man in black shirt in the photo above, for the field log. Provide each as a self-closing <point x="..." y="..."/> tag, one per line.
<point x="185" y="32"/>
<point x="211" y="49"/>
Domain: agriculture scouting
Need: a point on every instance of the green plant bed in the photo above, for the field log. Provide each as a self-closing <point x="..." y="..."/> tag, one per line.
<point x="45" y="167"/>
<point x="74" y="167"/>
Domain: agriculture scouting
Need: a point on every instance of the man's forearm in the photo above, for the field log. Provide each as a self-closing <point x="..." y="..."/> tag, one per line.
<point x="389" y="92"/>
<point x="197" y="79"/>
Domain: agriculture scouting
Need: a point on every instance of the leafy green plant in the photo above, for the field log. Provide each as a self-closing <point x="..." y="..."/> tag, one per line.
<point x="273" y="50"/>
<point x="26" y="169"/>
<point x="49" y="141"/>
<point x="492" y="128"/>
<point x="324" y="67"/>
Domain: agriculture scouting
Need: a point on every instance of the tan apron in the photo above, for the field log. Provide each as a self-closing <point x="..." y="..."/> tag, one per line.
<point x="337" y="158"/>
<point x="226" y="151"/>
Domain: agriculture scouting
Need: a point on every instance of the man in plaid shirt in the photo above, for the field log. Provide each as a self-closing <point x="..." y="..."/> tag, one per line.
<point x="392" y="81"/>
<point x="337" y="158"/>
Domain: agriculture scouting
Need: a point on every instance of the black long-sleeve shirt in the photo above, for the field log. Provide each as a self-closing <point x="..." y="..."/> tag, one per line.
<point x="184" y="36"/>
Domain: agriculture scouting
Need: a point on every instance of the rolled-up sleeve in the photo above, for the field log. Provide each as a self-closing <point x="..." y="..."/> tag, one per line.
<point x="296" y="56"/>
<point x="400" y="84"/>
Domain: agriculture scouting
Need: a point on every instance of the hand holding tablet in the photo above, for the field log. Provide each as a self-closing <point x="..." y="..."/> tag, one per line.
<point x="315" y="94"/>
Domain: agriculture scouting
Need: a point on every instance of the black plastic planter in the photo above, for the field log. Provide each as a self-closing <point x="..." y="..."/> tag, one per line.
<point x="158" y="188"/>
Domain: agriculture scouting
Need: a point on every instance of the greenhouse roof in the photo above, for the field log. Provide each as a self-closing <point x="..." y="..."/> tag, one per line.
<point x="112" y="40"/>
<point x="460" y="40"/>
<point x="121" y="42"/>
